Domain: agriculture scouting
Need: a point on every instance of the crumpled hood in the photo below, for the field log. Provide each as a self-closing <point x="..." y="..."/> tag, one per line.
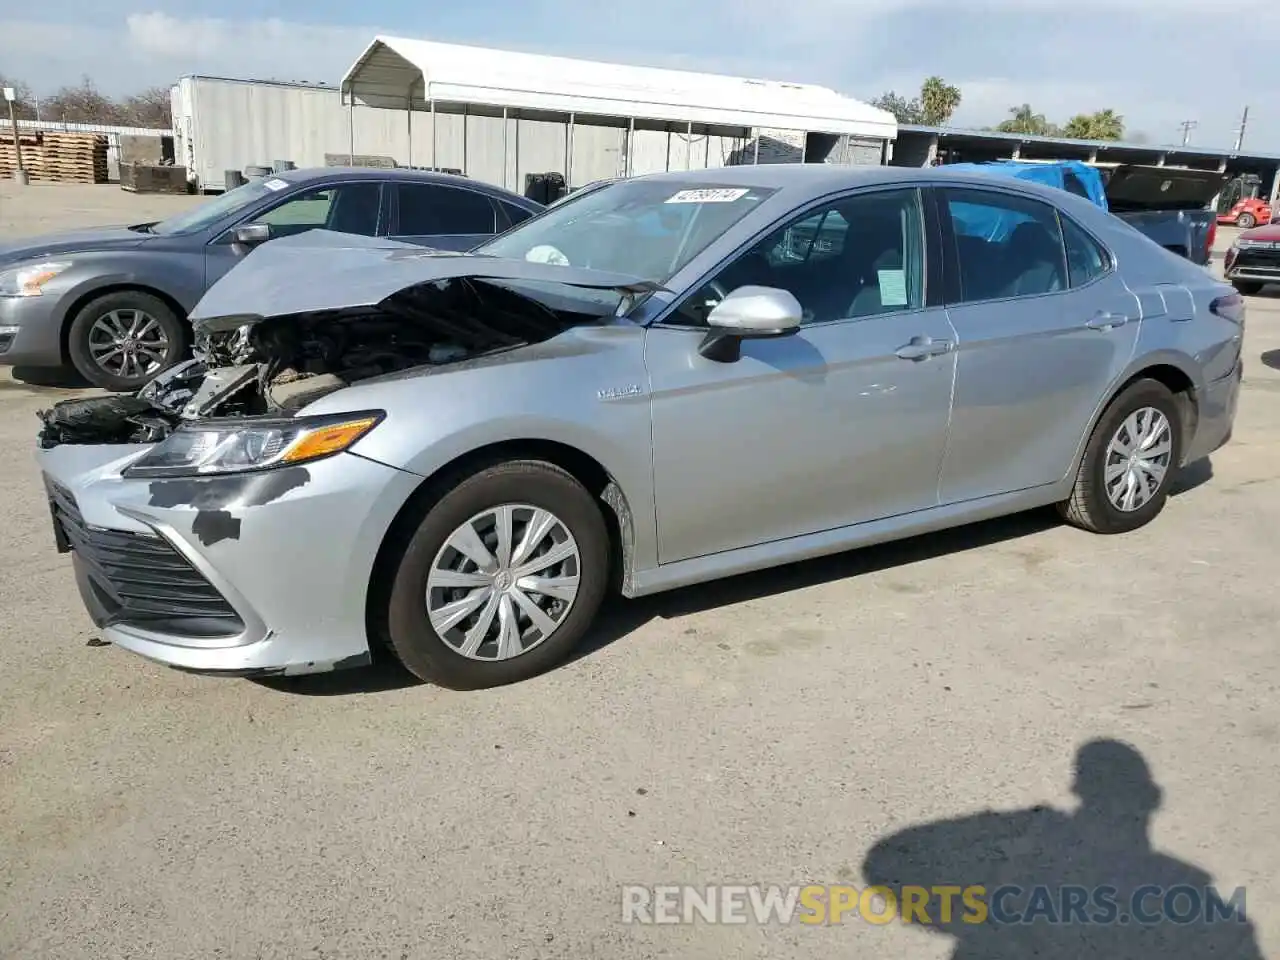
<point x="75" y="241"/>
<point x="321" y="270"/>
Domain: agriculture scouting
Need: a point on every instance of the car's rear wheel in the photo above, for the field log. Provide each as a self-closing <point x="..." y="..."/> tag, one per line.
<point x="1248" y="287"/>
<point x="1130" y="462"/>
<point x="121" y="340"/>
<point x="1246" y="221"/>
<point x="501" y="579"/>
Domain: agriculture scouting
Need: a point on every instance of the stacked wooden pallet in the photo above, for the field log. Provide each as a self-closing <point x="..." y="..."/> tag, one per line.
<point x="51" y="157"/>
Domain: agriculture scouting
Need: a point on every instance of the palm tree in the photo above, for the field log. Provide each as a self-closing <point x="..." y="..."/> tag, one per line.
<point x="1025" y="120"/>
<point x="938" y="101"/>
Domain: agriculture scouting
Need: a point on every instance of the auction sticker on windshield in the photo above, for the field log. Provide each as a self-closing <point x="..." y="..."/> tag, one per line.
<point x="720" y="195"/>
<point x="274" y="184"/>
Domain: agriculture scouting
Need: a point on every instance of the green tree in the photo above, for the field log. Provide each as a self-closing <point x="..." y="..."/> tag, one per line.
<point x="1023" y="119"/>
<point x="1102" y="125"/>
<point x="938" y="100"/>
<point x="906" y="111"/>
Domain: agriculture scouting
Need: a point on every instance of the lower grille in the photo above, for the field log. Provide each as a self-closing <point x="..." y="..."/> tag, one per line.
<point x="142" y="579"/>
<point x="1261" y="261"/>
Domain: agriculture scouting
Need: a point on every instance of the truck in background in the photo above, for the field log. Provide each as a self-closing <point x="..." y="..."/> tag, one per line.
<point x="1171" y="205"/>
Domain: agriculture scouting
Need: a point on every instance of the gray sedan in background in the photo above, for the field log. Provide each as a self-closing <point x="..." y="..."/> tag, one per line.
<point x="658" y="382"/>
<point x="113" y="302"/>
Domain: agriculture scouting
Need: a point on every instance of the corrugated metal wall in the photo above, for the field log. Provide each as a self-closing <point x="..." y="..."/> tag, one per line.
<point x="233" y="124"/>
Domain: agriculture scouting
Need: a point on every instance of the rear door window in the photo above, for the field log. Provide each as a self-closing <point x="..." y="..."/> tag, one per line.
<point x="431" y="210"/>
<point x="1005" y="246"/>
<point x="1086" y="260"/>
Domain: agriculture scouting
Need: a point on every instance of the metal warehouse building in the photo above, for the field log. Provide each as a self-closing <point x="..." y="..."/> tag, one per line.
<point x="498" y="116"/>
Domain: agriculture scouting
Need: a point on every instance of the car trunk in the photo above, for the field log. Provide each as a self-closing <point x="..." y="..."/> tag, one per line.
<point x="1135" y="189"/>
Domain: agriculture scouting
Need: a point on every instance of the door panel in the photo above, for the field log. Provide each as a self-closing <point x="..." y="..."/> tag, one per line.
<point x="1031" y="367"/>
<point x="842" y="422"/>
<point x="803" y="434"/>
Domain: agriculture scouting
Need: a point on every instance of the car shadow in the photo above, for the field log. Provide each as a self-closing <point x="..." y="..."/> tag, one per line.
<point x="1193" y="475"/>
<point x="621" y="617"/>
<point x="1271" y="358"/>
<point x="1062" y="883"/>
<point x="62" y="378"/>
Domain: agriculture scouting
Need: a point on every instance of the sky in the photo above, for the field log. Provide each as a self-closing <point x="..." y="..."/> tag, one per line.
<point x="1155" y="62"/>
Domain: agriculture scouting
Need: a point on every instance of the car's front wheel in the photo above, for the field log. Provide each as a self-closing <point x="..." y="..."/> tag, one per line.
<point x="121" y="340"/>
<point x="501" y="579"/>
<point x="1130" y="462"/>
<point x="1246" y="221"/>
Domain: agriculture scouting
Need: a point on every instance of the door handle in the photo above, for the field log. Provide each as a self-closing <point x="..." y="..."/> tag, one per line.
<point x="922" y="348"/>
<point x="1107" y="321"/>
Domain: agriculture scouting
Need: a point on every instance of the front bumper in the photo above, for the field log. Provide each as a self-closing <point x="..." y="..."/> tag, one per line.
<point x="1258" y="264"/>
<point x="240" y="578"/>
<point x="30" y="331"/>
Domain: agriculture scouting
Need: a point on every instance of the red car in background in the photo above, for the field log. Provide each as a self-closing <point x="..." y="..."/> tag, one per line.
<point x="1247" y="213"/>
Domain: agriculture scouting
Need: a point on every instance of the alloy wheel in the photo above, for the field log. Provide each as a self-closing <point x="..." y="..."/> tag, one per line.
<point x="128" y="343"/>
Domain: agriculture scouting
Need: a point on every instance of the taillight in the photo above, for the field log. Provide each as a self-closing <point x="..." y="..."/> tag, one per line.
<point x="1213" y="233"/>
<point x="1229" y="306"/>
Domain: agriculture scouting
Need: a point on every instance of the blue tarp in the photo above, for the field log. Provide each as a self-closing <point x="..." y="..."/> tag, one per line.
<point x="974" y="221"/>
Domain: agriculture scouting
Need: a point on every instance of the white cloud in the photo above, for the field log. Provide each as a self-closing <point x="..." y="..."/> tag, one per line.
<point x="1147" y="59"/>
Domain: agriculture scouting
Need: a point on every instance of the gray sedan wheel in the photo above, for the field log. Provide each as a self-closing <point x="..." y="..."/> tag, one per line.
<point x="121" y="340"/>
<point x="1130" y="462"/>
<point x="503" y="582"/>
<point x="500" y="579"/>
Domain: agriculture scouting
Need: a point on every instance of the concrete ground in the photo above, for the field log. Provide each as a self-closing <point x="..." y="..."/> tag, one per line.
<point x="771" y="729"/>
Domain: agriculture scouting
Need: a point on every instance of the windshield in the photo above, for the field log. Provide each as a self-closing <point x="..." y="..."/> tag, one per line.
<point x="214" y="210"/>
<point x="642" y="228"/>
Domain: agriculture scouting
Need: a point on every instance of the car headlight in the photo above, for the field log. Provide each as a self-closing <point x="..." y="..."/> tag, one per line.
<point x="28" y="280"/>
<point x="240" y="446"/>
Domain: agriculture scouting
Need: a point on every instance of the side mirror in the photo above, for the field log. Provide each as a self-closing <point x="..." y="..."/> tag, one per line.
<point x="749" y="313"/>
<point x="251" y="234"/>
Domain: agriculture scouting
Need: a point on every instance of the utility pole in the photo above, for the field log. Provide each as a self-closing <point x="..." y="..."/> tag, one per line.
<point x="1244" y="121"/>
<point x="1187" y="126"/>
<point x="19" y="175"/>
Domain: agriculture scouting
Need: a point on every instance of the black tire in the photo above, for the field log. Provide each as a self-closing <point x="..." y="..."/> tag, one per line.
<point x="1088" y="506"/>
<point x="1246" y="221"/>
<point x="173" y="327"/>
<point x="1249" y="288"/>
<point x="410" y="634"/>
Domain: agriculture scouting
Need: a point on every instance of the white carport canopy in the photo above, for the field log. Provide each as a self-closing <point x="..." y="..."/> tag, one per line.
<point x="418" y="75"/>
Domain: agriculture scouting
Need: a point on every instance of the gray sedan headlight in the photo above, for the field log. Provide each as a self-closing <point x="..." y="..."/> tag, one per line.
<point x="28" y="279"/>
<point x="239" y="446"/>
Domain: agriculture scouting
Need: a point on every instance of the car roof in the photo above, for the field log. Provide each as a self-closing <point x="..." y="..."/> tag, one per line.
<point x="802" y="181"/>
<point x="400" y="175"/>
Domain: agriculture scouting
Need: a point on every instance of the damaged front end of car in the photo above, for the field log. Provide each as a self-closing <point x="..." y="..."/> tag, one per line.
<point x="306" y="316"/>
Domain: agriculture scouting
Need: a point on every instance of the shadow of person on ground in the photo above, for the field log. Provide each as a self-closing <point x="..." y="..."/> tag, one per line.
<point x="1068" y="885"/>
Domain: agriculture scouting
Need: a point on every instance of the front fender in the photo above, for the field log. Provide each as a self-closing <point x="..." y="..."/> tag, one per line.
<point x="177" y="276"/>
<point x="586" y="390"/>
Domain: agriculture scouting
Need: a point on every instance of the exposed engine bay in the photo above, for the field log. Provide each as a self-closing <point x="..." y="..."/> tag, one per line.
<point x="276" y="365"/>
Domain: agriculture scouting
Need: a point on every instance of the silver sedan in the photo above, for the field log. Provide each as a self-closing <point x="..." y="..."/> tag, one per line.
<point x="658" y="382"/>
